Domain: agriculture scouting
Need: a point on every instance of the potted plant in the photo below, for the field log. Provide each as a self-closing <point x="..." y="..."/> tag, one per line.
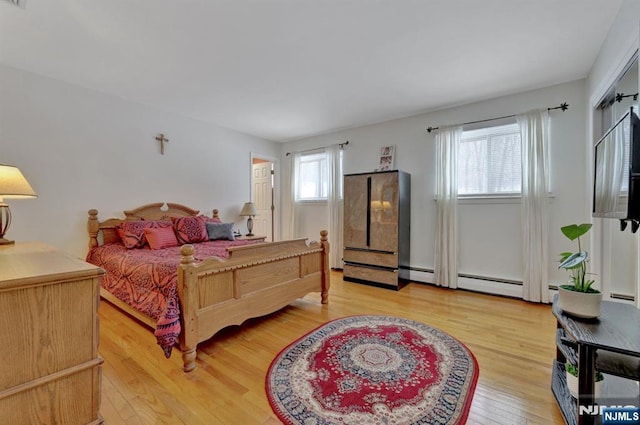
<point x="578" y="298"/>
<point x="572" y="381"/>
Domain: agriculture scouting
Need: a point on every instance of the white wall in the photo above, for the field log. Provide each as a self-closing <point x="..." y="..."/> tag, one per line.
<point x="82" y="149"/>
<point x="490" y="241"/>
<point x="490" y="233"/>
<point x="620" y="274"/>
<point x="621" y="42"/>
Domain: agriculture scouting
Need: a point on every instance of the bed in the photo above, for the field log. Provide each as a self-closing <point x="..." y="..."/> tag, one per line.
<point x="188" y="293"/>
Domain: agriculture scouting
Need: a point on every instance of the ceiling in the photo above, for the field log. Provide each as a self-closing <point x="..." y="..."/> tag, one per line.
<point x="289" y="69"/>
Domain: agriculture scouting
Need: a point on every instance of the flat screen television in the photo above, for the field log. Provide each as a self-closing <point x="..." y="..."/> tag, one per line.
<point x="616" y="189"/>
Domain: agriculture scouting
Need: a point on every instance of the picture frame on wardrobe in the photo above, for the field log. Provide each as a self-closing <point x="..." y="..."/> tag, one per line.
<point x="387" y="157"/>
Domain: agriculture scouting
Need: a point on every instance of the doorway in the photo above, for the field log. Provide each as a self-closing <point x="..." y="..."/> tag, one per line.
<point x="263" y="195"/>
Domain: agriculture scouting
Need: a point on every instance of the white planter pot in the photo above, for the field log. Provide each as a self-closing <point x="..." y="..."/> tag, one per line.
<point x="572" y="385"/>
<point x="585" y="305"/>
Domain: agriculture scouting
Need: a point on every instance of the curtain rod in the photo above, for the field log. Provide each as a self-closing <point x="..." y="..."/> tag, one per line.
<point x="563" y="106"/>
<point x="342" y="145"/>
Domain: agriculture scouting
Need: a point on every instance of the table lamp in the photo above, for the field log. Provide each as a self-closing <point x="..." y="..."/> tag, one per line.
<point x="249" y="210"/>
<point x="12" y="185"/>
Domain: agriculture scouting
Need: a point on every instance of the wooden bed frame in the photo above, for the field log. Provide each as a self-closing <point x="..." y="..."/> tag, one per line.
<point x="254" y="281"/>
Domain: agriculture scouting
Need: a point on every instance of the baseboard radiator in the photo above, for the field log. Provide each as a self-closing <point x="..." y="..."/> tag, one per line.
<point x="491" y="285"/>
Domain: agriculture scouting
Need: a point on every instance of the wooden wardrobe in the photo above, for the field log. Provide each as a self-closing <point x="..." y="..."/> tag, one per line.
<point x="377" y="218"/>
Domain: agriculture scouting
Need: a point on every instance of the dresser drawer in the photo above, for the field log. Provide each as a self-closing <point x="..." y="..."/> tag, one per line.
<point x="72" y="396"/>
<point x="381" y="259"/>
<point x="370" y="274"/>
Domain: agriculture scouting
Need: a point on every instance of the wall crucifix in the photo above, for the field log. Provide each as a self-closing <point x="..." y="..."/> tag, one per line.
<point x="160" y="138"/>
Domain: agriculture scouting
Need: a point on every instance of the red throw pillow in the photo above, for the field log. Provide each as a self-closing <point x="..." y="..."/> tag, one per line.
<point x="132" y="231"/>
<point x="190" y="229"/>
<point x="161" y="237"/>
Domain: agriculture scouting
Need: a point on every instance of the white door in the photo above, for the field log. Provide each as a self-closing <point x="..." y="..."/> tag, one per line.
<point x="262" y="181"/>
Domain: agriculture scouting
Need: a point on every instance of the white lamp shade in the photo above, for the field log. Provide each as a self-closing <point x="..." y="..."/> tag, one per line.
<point x="13" y="184"/>
<point x="249" y="209"/>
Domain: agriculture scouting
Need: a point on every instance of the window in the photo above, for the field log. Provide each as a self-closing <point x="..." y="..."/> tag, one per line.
<point x="489" y="162"/>
<point x="312" y="182"/>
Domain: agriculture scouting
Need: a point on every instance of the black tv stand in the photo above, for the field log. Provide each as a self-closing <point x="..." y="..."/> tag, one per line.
<point x="609" y="344"/>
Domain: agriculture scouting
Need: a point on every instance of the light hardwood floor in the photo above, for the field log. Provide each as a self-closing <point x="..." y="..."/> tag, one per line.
<point x="512" y="340"/>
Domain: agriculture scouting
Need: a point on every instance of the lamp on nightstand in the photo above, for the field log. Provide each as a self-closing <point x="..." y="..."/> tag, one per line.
<point x="12" y="185"/>
<point x="249" y="210"/>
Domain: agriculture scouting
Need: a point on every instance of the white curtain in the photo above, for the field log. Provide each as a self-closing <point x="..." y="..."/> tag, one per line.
<point x="335" y="205"/>
<point x="534" y="133"/>
<point x="446" y="249"/>
<point x="291" y="230"/>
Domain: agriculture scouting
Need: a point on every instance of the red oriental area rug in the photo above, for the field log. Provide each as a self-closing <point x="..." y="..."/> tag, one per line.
<point x="366" y="370"/>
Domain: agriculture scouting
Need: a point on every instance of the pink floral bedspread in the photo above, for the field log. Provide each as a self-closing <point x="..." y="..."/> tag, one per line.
<point x="147" y="280"/>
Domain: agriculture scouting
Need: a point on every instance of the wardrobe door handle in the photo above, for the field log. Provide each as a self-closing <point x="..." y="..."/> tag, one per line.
<point x="369" y="211"/>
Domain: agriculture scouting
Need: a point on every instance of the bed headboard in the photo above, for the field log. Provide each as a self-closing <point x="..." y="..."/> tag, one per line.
<point x="156" y="211"/>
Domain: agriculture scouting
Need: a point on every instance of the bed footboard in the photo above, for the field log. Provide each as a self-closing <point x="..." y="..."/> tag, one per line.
<point x="254" y="281"/>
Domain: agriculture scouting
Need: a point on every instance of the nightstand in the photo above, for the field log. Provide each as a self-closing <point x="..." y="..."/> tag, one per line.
<point x="251" y="238"/>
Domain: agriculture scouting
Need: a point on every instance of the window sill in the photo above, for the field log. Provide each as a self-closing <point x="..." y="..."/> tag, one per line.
<point x="490" y="199"/>
<point x="311" y="201"/>
<point x="494" y="199"/>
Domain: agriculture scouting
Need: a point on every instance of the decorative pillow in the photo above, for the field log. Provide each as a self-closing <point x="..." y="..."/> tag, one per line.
<point x="132" y="231"/>
<point x="190" y="229"/>
<point x="220" y="231"/>
<point x="161" y="237"/>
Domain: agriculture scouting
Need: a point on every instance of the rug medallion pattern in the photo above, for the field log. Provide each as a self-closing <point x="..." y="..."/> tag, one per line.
<point x="366" y="370"/>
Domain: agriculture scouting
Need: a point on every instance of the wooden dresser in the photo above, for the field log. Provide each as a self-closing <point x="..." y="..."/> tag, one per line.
<point x="49" y="365"/>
